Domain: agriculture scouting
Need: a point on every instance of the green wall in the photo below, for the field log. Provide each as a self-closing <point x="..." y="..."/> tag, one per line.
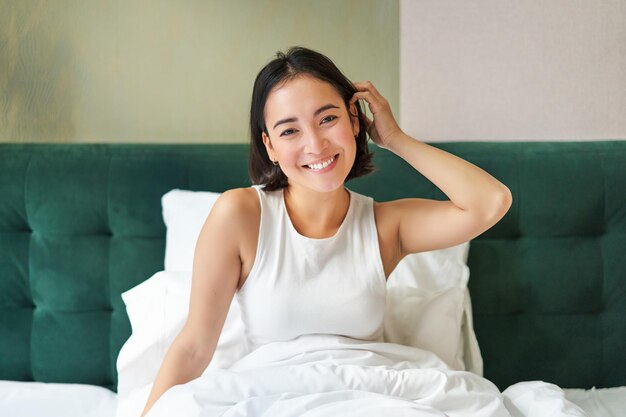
<point x="170" y="71"/>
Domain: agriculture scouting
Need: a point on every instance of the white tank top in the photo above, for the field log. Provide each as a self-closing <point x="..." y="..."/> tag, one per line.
<point x="299" y="285"/>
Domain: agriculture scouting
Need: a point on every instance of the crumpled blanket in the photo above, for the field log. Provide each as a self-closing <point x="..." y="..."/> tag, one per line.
<point x="329" y="375"/>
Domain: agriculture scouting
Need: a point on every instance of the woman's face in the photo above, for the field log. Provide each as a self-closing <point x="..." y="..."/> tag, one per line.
<point x="311" y="133"/>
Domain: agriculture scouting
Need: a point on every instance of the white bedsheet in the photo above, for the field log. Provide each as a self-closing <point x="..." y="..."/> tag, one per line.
<point x="326" y="375"/>
<point x="604" y="402"/>
<point x="38" y="399"/>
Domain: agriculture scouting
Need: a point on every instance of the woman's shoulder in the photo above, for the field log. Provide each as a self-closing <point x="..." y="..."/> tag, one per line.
<point x="238" y="202"/>
<point x="234" y="216"/>
<point x="239" y="216"/>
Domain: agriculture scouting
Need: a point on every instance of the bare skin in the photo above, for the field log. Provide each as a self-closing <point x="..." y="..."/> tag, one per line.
<point x="317" y="203"/>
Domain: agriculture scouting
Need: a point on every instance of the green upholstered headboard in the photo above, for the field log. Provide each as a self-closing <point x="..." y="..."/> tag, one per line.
<point x="80" y="224"/>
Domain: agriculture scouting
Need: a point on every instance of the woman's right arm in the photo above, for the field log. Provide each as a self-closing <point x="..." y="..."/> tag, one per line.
<point x="215" y="277"/>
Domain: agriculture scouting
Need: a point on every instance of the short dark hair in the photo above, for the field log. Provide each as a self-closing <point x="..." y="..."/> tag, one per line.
<point x="286" y="66"/>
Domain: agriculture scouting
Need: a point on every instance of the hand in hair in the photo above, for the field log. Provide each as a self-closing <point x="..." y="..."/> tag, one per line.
<point x="383" y="128"/>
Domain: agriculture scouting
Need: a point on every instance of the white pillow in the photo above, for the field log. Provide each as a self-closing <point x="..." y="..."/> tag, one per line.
<point x="428" y="306"/>
<point x="184" y="213"/>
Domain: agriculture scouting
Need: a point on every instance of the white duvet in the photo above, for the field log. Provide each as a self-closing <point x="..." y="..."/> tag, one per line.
<point x="326" y="375"/>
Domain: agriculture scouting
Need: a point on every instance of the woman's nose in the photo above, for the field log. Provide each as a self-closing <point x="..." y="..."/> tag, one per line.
<point x="315" y="142"/>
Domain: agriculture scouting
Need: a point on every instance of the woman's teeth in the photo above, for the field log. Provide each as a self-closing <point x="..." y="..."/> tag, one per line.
<point x="323" y="164"/>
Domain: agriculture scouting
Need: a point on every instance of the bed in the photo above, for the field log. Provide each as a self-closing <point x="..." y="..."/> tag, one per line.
<point x="82" y="224"/>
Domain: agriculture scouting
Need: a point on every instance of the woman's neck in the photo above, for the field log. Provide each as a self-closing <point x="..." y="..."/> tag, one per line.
<point x="316" y="214"/>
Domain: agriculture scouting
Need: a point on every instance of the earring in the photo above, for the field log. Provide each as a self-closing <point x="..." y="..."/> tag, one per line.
<point x="275" y="163"/>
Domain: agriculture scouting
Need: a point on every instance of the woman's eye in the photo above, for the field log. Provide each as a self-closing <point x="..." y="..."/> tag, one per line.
<point x="287" y="132"/>
<point x="328" y="119"/>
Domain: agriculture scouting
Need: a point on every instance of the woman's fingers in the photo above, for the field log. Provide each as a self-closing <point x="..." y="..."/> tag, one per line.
<point x="383" y="127"/>
<point x="368" y="86"/>
<point x="369" y="93"/>
<point x="371" y="100"/>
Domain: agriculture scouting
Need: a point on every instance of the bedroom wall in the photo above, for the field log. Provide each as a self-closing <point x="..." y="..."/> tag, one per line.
<point x="513" y="70"/>
<point x="160" y="71"/>
<point x="164" y="71"/>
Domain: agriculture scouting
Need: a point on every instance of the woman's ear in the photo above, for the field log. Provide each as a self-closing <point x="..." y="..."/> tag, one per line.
<point x="268" y="146"/>
<point x="354" y="118"/>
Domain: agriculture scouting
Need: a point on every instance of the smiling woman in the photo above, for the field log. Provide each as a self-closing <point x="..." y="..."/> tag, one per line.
<point x="307" y="258"/>
<point x="289" y="80"/>
<point x="318" y="140"/>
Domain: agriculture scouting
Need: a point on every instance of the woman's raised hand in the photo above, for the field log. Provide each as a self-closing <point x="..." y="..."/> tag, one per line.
<point x="384" y="128"/>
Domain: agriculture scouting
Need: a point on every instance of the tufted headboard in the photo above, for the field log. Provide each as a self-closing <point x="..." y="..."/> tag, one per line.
<point x="80" y="224"/>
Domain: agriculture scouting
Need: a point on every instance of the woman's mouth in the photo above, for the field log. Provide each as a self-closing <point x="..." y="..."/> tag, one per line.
<point x="323" y="166"/>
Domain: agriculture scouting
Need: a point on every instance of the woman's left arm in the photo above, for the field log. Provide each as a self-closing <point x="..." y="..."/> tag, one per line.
<point x="477" y="200"/>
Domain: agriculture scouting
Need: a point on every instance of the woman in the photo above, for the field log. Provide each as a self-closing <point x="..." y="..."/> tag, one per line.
<point x="304" y="254"/>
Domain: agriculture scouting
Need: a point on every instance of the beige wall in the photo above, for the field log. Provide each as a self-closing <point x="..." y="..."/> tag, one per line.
<point x="166" y="71"/>
<point x="513" y="70"/>
<point x="170" y="71"/>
